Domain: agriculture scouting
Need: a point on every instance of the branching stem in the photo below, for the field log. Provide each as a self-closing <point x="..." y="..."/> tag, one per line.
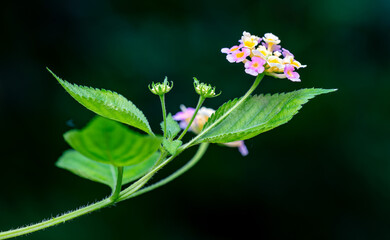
<point x="132" y="191"/>
<point x="199" y="154"/>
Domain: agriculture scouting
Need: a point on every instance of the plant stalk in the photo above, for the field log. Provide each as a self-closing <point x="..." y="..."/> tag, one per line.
<point x="131" y="191"/>
<point x="118" y="185"/>
<point x="162" y="100"/>
<point x="199" y="154"/>
<point x="200" y="102"/>
<point x="54" y="221"/>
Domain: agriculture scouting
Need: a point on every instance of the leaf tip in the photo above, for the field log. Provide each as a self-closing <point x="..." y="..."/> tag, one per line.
<point x="50" y="71"/>
<point x="54" y="75"/>
<point x="329" y="90"/>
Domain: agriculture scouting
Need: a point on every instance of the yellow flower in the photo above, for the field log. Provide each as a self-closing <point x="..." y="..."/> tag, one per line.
<point x="262" y="52"/>
<point x="249" y="41"/>
<point x="290" y="60"/>
<point x="275" y="64"/>
<point x="271" y="40"/>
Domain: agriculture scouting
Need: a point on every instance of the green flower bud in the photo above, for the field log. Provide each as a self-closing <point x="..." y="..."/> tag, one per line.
<point x="161" y="88"/>
<point x="204" y="90"/>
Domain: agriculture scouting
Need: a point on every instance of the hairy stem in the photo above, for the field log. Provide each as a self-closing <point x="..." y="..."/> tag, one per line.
<point x="131" y="191"/>
<point x="138" y="184"/>
<point x="200" y="102"/>
<point x="54" y="221"/>
<point x="199" y="154"/>
<point x="123" y="195"/>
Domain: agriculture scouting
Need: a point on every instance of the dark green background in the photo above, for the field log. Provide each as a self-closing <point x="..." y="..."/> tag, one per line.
<point x="324" y="175"/>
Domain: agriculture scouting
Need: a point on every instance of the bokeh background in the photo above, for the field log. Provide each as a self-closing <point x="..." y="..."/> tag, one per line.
<point x="324" y="175"/>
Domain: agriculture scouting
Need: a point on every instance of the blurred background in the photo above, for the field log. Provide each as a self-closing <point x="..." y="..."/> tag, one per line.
<point x="324" y="175"/>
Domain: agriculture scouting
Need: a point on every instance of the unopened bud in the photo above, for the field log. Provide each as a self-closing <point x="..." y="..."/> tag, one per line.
<point x="204" y="90"/>
<point x="161" y="88"/>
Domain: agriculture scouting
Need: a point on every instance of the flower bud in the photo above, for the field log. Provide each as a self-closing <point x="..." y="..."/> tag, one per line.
<point x="204" y="90"/>
<point x="161" y="88"/>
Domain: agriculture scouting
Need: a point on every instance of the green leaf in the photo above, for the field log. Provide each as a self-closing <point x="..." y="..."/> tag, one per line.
<point x="171" y="146"/>
<point x="84" y="167"/>
<point x="173" y="127"/>
<point x="110" y="142"/>
<point x="256" y="115"/>
<point x="107" y="104"/>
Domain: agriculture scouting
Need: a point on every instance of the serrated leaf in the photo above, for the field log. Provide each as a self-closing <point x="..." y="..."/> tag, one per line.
<point x="256" y="115"/>
<point x="173" y="127"/>
<point x="110" y="142"/>
<point x="171" y="146"/>
<point x="107" y="104"/>
<point x="84" y="167"/>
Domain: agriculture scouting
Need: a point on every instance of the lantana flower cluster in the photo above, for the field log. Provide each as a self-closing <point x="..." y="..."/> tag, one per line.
<point x="200" y="120"/>
<point x="264" y="55"/>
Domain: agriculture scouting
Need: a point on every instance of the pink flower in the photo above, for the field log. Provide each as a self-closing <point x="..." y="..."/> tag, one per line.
<point x="290" y="74"/>
<point x="232" y="49"/>
<point x="238" y="56"/>
<point x="241" y="147"/>
<point x="271" y="47"/>
<point x="249" y="41"/>
<point x="287" y="53"/>
<point x="200" y="120"/>
<point x="255" y="66"/>
<point x="184" y="116"/>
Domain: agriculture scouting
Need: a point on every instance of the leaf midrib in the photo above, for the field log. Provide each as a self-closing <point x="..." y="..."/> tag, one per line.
<point x="256" y="126"/>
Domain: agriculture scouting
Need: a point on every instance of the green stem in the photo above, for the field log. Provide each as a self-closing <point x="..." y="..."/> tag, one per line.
<point x="56" y="220"/>
<point x="162" y="99"/>
<point x="200" y="102"/>
<point x="242" y="99"/>
<point x="199" y="154"/>
<point x="118" y="185"/>
<point x="118" y="196"/>
<point x="93" y="207"/>
<point x="138" y="184"/>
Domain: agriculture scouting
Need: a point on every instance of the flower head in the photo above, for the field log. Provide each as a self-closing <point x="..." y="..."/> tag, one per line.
<point x="204" y="90"/>
<point x="274" y="58"/>
<point x="200" y="120"/>
<point x="161" y="88"/>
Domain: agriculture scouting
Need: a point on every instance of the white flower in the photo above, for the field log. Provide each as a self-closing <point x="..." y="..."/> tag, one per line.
<point x="271" y="38"/>
<point x="249" y="41"/>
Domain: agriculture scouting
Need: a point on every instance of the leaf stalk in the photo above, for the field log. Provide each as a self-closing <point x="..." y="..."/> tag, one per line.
<point x="118" y="185"/>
